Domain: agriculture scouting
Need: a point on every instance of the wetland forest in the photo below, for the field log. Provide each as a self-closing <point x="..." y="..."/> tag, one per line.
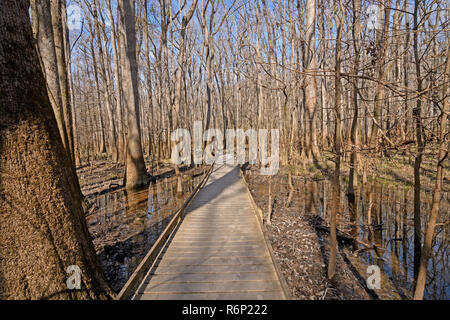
<point x="224" y="149"/>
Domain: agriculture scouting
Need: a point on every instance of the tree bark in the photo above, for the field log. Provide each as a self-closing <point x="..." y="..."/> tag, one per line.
<point x="135" y="167"/>
<point x="43" y="226"/>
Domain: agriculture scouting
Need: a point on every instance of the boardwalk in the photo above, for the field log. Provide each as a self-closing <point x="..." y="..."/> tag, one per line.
<point x="218" y="251"/>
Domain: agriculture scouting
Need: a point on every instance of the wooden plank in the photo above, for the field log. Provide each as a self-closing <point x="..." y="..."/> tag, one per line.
<point x="175" y="269"/>
<point x="222" y="220"/>
<point x="212" y="243"/>
<point x="216" y="253"/>
<point x="194" y="237"/>
<point x="215" y="247"/>
<point x="210" y="236"/>
<point x="234" y="229"/>
<point x="215" y="216"/>
<point x="243" y="260"/>
<point x="243" y="231"/>
<point x="216" y="286"/>
<point x="213" y="232"/>
<point x="269" y="295"/>
<point x="227" y="249"/>
<point x="223" y="228"/>
<point x="211" y="277"/>
<point x="226" y="212"/>
<point x="209" y="212"/>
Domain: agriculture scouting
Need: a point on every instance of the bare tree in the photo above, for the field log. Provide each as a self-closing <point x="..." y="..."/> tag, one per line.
<point x="44" y="33"/>
<point x="443" y="153"/>
<point x="339" y="17"/>
<point x="310" y="85"/>
<point x="136" y="173"/>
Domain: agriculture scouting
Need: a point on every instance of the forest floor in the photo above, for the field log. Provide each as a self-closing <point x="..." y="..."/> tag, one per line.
<point x="102" y="176"/>
<point x="302" y="250"/>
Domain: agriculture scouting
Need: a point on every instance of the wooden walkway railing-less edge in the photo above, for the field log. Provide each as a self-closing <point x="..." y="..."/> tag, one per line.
<point x="138" y="274"/>
<point x="259" y="214"/>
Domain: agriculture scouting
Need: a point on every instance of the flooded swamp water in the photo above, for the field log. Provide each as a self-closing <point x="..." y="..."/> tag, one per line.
<point x="382" y="223"/>
<point x="124" y="225"/>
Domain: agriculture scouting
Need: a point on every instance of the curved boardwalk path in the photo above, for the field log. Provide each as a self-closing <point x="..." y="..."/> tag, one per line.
<point x="218" y="251"/>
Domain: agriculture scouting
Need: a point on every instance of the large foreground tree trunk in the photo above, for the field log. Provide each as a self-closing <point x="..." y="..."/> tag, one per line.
<point x="43" y="229"/>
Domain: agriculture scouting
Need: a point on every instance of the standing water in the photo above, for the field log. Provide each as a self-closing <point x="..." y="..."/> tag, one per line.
<point x="383" y="224"/>
<point x="126" y="224"/>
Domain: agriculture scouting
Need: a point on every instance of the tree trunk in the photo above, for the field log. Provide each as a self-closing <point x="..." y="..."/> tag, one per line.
<point x="380" y="70"/>
<point x="43" y="226"/>
<point x="420" y="148"/>
<point x="337" y="147"/>
<point x="151" y="150"/>
<point x="102" y="145"/>
<point x="60" y="49"/>
<point x="443" y="152"/>
<point x="43" y="32"/>
<point x="310" y="81"/>
<point x="106" y="82"/>
<point x="135" y="166"/>
<point x="118" y="86"/>
<point x="356" y="30"/>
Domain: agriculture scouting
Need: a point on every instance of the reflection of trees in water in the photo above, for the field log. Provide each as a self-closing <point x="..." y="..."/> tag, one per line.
<point x="382" y="215"/>
<point x="134" y="219"/>
<point x="353" y="202"/>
